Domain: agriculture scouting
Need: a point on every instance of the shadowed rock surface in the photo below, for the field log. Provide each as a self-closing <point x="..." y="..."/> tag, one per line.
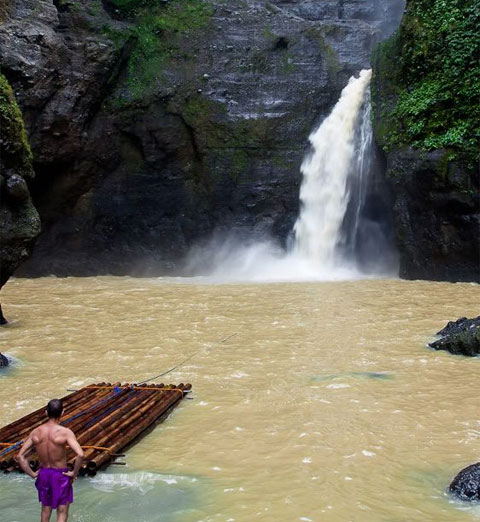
<point x="19" y="220"/>
<point x="148" y="138"/>
<point x="466" y="485"/>
<point x="461" y="337"/>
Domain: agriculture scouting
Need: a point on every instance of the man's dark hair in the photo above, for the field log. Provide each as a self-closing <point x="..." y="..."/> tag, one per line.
<point x="54" y="409"/>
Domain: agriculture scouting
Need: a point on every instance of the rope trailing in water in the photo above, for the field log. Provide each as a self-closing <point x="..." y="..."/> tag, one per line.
<point x="184" y="361"/>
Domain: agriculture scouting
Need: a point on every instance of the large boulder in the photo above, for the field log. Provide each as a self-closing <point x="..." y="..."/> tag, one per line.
<point x="466" y="485"/>
<point x="461" y="337"/>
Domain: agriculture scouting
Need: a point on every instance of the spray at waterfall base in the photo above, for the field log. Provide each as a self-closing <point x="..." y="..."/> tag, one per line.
<point x="344" y="229"/>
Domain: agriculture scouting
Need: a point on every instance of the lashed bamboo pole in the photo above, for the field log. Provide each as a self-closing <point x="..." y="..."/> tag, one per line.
<point x="12" y="449"/>
<point x="126" y="417"/>
<point x="21" y="428"/>
<point x="38" y="416"/>
<point x="93" y="435"/>
<point x="94" y="408"/>
<point x="134" y="429"/>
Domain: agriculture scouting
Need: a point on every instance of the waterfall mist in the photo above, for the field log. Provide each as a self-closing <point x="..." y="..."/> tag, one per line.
<point x="342" y="231"/>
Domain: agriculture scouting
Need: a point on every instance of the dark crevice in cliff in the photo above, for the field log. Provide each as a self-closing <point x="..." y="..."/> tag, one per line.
<point x="281" y="44"/>
<point x="199" y="169"/>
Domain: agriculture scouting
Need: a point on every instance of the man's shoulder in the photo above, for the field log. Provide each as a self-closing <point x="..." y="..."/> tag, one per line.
<point x="64" y="430"/>
<point x="38" y="429"/>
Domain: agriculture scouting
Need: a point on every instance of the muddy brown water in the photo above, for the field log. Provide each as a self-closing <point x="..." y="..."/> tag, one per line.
<point x="311" y="402"/>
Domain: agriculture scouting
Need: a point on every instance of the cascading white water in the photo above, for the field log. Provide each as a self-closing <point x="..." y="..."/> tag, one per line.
<point x="330" y="230"/>
<point x="324" y="190"/>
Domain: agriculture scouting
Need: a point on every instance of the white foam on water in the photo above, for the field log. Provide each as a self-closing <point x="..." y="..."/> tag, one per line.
<point x="140" y="481"/>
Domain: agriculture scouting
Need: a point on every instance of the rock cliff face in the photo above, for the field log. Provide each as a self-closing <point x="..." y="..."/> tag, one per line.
<point x="19" y="221"/>
<point x="427" y="117"/>
<point x="437" y="216"/>
<point x="154" y="128"/>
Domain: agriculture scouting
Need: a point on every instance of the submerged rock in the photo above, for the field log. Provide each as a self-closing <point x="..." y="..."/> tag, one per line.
<point x="461" y="337"/>
<point x="466" y="485"/>
<point x="3" y="361"/>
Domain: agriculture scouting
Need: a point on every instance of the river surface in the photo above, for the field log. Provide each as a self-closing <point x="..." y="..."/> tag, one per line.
<point x="311" y="401"/>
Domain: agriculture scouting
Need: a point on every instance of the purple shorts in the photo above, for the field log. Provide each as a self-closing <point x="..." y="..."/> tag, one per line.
<point x="54" y="488"/>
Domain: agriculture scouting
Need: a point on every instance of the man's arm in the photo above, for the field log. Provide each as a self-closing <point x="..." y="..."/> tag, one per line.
<point x="27" y="446"/>
<point x="73" y="443"/>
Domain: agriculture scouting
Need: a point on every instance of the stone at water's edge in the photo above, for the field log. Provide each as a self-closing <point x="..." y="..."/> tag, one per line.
<point x="3" y="361"/>
<point x="466" y="485"/>
<point x="461" y="337"/>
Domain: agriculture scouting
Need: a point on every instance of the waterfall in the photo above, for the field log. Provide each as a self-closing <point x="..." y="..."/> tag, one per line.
<point x="338" y="151"/>
<point x="343" y="229"/>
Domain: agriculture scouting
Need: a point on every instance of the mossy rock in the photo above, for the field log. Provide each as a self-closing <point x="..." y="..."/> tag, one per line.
<point x="15" y="153"/>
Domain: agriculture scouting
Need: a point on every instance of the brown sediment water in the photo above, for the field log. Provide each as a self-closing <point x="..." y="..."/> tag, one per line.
<point x="322" y="403"/>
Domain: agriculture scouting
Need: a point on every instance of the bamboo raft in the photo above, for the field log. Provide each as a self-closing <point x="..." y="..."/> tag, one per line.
<point x="105" y="417"/>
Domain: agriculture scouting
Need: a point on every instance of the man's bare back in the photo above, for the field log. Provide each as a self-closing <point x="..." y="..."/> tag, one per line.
<point x="54" y="480"/>
<point x="50" y="442"/>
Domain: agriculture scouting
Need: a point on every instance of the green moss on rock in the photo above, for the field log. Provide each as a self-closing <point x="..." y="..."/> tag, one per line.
<point x="15" y="153"/>
<point x="163" y="33"/>
<point x="427" y="80"/>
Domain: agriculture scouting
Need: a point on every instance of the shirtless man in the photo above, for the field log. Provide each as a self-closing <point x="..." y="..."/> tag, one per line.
<point x="54" y="481"/>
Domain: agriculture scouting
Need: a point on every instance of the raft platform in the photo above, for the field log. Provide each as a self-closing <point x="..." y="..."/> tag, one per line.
<point x="105" y="417"/>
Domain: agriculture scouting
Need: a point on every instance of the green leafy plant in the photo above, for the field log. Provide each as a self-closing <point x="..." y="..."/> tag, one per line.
<point x="429" y="73"/>
<point x="158" y="32"/>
